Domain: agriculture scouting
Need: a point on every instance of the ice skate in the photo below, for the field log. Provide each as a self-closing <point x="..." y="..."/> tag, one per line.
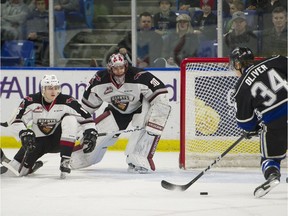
<point x="132" y="168"/>
<point x="37" y="165"/>
<point x="272" y="181"/>
<point x="64" y="167"/>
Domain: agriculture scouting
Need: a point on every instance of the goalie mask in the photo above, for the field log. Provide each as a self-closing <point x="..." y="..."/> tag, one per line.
<point x="50" y="87"/>
<point x="117" y="66"/>
<point x="241" y="57"/>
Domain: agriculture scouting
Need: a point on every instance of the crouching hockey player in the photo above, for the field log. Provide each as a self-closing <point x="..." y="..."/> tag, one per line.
<point x="55" y="120"/>
<point x="133" y="95"/>
<point x="261" y="93"/>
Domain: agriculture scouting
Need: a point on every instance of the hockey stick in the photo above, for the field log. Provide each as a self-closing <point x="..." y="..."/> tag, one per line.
<point x="4" y="124"/>
<point x="121" y="131"/>
<point x="114" y="133"/>
<point x="171" y="186"/>
<point x="23" y="160"/>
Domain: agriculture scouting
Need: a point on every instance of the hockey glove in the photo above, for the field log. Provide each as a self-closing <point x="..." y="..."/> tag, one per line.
<point x="89" y="140"/>
<point x="250" y="134"/>
<point x="28" y="139"/>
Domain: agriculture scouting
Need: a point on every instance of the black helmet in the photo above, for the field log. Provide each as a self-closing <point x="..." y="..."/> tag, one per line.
<point x="242" y="55"/>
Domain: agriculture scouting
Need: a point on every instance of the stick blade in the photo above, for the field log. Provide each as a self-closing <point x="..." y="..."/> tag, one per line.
<point x="4" y="124"/>
<point x="11" y="168"/>
<point x="172" y="187"/>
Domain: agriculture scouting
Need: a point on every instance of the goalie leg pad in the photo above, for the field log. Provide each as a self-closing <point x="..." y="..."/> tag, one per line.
<point x="81" y="160"/>
<point x="141" y="149"/>
<point x="157" y="117"/>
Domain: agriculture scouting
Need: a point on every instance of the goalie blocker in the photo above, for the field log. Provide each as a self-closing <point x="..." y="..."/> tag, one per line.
<point x="141" y="145"/>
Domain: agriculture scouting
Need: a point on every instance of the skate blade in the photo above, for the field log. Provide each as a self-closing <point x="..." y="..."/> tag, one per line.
<point x="141" y="170"/>
<point x="63" y="175"/>
<point x="264" y="189"/>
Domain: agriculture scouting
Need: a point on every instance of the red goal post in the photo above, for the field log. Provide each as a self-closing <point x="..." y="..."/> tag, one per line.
<point x="207" y="116"/>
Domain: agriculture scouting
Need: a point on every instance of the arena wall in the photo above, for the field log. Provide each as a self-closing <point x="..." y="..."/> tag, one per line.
<point x="17" y="83"/>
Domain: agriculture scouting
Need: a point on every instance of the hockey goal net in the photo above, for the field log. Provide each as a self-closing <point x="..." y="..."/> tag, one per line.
<point x="208" y="124"/>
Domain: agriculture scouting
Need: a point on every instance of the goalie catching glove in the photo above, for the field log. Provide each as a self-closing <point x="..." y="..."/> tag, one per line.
<point x="89" y="140"/>
<point x="28" y="139"/>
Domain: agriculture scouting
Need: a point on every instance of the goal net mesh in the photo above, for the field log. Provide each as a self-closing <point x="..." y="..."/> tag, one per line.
<point x="208" y="124"/>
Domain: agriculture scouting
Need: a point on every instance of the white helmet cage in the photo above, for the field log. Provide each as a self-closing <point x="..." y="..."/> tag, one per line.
<point x="50" y="80"/>
<point x="116" y="60"/>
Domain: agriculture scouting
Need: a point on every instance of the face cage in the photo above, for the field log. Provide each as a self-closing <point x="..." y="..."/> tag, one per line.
<point x="110" y="70"/>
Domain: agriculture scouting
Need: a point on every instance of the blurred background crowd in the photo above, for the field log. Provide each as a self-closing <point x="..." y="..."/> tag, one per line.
<point x="85" y="32"/>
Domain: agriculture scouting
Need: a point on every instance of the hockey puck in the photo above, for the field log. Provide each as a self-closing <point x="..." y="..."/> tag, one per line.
<point x="203" y="193"/>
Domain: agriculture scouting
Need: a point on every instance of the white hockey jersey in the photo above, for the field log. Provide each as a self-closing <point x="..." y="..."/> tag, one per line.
<point x="46" y="117"/>
<point x="139" y="85"/>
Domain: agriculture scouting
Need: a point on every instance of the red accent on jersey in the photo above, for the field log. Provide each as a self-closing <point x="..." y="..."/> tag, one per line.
<point x="66" y="143"/>
<point x="29" y="98"/>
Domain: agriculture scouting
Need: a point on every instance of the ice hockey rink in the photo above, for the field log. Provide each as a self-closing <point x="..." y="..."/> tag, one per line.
<point x="107" y="189"/>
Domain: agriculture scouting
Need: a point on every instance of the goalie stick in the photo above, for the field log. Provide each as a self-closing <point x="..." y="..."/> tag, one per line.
<point x="170" y="186"/>
<point x="121" y="131"/>
<point x="116" y="132"/>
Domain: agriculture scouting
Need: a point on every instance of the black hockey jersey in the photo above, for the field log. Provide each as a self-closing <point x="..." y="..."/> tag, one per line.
<point x="262" y="92"/>
<point x="125" y="98"/>
<point x="45" y="118"/>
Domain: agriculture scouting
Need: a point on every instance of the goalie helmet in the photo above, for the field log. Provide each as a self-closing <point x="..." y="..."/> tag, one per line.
<point x="48" y="81"/>
<point x="116" y="60"/>
<point x="241" y="57"/>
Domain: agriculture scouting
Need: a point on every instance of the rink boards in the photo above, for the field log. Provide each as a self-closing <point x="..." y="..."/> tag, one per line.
<point x="17" y="83"/>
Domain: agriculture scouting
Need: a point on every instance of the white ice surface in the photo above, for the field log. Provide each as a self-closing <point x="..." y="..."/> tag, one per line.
<point x="106" y="189"/>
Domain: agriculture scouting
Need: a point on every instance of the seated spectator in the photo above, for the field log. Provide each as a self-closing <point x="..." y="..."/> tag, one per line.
<point x="189" y="7"/>
<point x="186" y="4"/>
<point x="32" y="4"/>
<point x="164" y="20"/>
<point x="13" y="16"/>
<point x="226" y="8"/>
<point x="266" y="11"/>
<point x="38" y="32"/>
<point x="205" y="23"/>
<point x="66" y="5"/>
<point x="182" y="43"/>
<point x="149" y="43"/>
<point x="240" y="36"/>
<point x="275" y="39"/>
<point x="266" y="5"/>
<point x="236" y="5"/>
<point x="62" y="9"/>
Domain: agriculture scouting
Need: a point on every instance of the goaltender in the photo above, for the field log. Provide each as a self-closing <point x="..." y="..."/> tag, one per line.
<point x="130" y="95"/>
<point x="261" y="94"/>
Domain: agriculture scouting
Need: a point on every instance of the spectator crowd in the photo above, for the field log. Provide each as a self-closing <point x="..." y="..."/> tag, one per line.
<point x="167" y="37"/>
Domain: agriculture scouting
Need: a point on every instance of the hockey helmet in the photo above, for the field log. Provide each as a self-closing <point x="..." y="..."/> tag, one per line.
<point x="116" y="60"/>
<point x="50" y="80"/>
<point x="241" y="57"/>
